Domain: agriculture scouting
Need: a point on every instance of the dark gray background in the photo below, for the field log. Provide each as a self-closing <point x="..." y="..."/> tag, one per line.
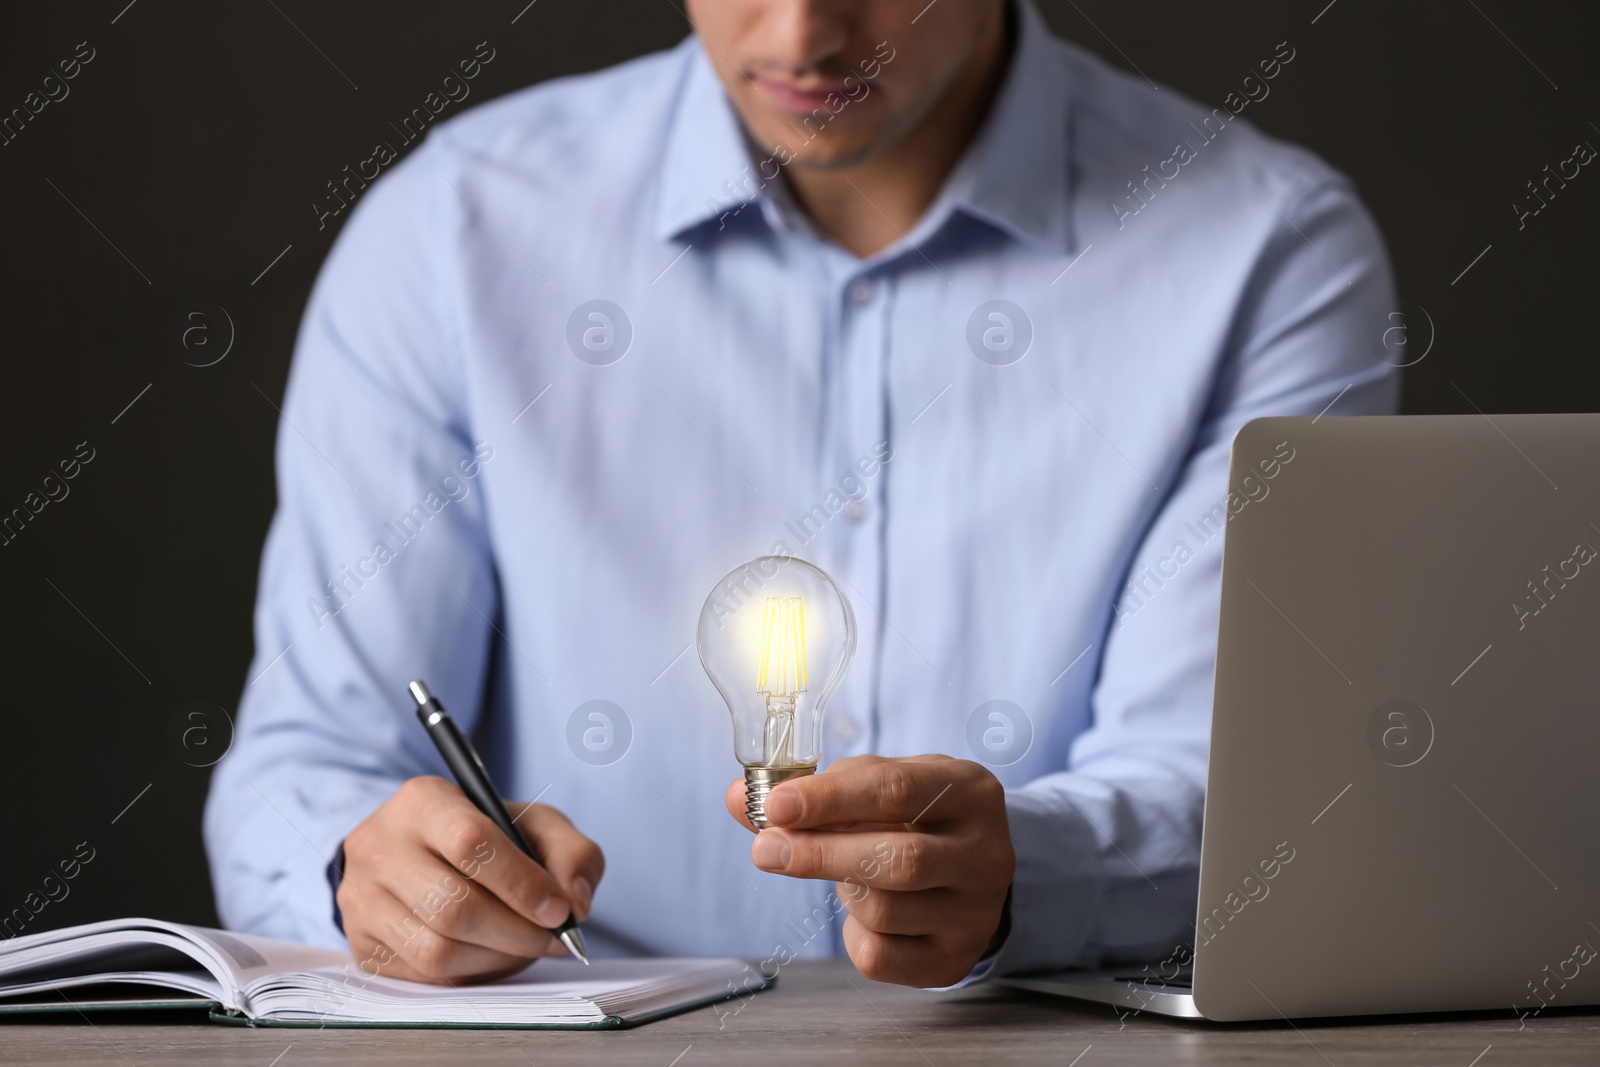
<point x="198" y="138"/>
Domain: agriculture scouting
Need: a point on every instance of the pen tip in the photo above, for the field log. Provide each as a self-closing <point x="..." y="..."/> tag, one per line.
<point x="419" y="693"/>
<point x="574" y="942"/>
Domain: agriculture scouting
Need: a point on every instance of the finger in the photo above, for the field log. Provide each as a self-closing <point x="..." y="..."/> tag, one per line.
<point x="892" y="860"/>
<point x="735" y="799"/>
<point x="467" y="840"/>
<point x="391" y="939"/>
<point x="866" y="759"/>
<point x="913" y="961"/>
<point x="885" y="911"/>
<point x="451" y="904"/>
<point x="894" y="791"/>
<point x="575" y="862"/>
<point x="850" y="763"/>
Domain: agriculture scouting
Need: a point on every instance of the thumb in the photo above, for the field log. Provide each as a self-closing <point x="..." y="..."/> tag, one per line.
<point x="735" y="801"/>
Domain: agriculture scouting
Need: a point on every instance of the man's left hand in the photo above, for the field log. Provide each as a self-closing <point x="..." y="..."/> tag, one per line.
<point x="919" y="850"/>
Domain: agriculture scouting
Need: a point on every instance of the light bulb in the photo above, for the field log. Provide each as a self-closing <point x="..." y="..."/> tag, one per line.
<point x="776" y="636"/>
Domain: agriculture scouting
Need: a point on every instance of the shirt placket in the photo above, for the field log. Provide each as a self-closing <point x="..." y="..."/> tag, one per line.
<point x="851" y="483"/>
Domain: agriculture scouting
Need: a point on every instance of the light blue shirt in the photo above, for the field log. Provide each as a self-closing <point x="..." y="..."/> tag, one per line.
<point x="488" y="481"/>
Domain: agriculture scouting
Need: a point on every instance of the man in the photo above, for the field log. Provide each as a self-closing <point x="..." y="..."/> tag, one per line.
<point x="915" y="292"/>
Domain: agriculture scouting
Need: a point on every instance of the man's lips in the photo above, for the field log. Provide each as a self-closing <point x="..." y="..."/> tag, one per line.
<point x="798" y="98"/>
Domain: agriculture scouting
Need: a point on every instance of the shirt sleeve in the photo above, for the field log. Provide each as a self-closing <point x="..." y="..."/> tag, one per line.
<point x="376" y="568"/>
<point x="1108" y="851"/>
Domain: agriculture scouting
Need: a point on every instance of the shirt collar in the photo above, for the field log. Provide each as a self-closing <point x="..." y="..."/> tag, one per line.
<point x="706" y="170"/>
<point x="1014" y="175"/>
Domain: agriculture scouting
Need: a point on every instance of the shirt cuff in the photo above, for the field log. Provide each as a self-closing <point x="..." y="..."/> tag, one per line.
<point x="1055" y="898"/>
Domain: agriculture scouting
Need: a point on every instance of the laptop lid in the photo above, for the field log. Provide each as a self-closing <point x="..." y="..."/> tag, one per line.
<point x="1403" y="807"/>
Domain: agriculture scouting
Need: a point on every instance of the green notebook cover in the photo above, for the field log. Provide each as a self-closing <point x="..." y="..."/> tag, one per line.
<point x="46" y="1007"/>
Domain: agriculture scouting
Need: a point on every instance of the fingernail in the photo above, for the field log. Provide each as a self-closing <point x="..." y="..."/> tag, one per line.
<point x="585" y="893"/>
<point x="771" y="851"/>
<point x="550" y="912"/>
<point x="784" y="805"/>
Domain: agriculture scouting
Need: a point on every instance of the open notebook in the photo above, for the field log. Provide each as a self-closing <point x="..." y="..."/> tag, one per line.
<point x="256" y="980"/>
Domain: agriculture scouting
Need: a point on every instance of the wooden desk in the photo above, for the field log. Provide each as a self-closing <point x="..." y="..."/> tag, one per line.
<point x="824" y="1012"/>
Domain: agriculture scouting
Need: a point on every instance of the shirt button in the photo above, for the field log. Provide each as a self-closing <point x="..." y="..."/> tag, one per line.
<point x="846" y="729"/>
<point x="854" y="510"/>
<point x="862" y="290"/>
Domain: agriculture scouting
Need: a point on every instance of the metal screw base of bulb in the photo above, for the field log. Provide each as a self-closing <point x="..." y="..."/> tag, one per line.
<point x="758" y="782"/>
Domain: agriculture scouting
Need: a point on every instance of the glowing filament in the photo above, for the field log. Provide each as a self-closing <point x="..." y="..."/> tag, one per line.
<point x="781" y="670"/>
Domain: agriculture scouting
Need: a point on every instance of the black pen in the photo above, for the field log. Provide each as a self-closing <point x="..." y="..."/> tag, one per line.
<point x="474" y="781"/>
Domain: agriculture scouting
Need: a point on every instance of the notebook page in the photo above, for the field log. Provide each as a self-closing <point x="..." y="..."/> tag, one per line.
<point x="248" y="957"/>
<point x="551" y="991"/>
<point x="152" y="948"/>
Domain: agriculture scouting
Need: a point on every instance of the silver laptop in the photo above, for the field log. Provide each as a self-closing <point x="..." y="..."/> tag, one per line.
<point x="1403" y="807"/>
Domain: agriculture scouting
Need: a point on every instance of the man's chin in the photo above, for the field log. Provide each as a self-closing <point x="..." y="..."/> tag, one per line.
<point x="824" y="152"/>
<point x="846" y="159"/>
<point x="848" y="141"/>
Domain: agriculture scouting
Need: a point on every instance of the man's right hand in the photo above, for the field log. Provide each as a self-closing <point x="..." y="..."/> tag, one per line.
<point x="434" y="892"/>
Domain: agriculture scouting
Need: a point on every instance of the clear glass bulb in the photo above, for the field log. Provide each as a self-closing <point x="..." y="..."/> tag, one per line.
<point x="776" y="636"/>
